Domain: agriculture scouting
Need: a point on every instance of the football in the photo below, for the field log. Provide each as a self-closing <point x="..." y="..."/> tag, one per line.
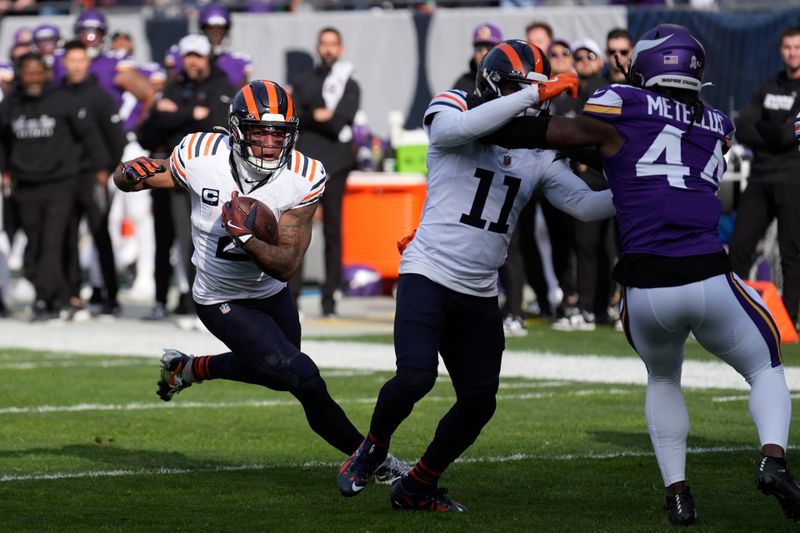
<point x="266" y="225"/>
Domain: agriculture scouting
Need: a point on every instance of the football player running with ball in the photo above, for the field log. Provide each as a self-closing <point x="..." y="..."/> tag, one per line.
<point x="662" y="152"/>
<point x="240" y="287"/>
<point x="447" y="289"/>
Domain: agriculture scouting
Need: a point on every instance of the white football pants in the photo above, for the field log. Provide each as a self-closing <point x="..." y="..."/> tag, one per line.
<point x="728" y="319"/>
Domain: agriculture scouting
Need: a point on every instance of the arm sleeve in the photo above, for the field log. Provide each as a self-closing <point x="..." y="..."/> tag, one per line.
<point x="570" y="194"/>
<point x="452" y="127"/>
<point x="343" y="115"/>
<point x="778" y="136"/>
<point x="80" y="120"/>
<point x="177" y="161"/>
<point x="318" y="178"/>
<point x="746" y="131"/>
<point x="110" y="129"/>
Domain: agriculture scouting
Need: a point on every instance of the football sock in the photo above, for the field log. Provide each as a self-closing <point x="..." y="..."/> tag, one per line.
<point x="380" y="443"/>
<point x="421" y="478"/>
<point x="198" y="370"/>
<point x="771" y="406"/>
<point x="668" y="423"/>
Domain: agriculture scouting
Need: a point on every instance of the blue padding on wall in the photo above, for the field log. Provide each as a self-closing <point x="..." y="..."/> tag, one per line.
<point x="742" y="48"/>
<point x="163" y="33"/>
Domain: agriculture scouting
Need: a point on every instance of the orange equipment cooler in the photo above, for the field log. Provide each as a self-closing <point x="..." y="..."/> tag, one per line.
<point x="379" y="209"/>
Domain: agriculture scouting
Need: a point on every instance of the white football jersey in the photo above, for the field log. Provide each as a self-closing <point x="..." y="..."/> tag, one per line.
<point x="475" y="193"/>
<point x="202" y="164"/>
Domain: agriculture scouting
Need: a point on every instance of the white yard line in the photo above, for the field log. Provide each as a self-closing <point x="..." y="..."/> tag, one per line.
<point x="131" y="337"/>
<point x="144" y="406"/>
<point x="516" y="457"/>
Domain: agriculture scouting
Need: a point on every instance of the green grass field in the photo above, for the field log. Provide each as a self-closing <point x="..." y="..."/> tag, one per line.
<point x="86" y="445"/>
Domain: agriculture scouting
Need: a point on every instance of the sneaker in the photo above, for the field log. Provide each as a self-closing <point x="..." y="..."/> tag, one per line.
<point x="391" y="470"/>
<point x="435" y="500"/>
<point x="173" y="376"/>
<point x="158" y="312"/>
<point x="109" y="311"/>
<point x="40" y="312"/>
<point x="514" y="326"/>
<point x="680" y="509"/>
<point x="575" y="319"/>
<point x="774" y="479"/>
<point x="96" y="301"/>
<point x="357" y="471"/>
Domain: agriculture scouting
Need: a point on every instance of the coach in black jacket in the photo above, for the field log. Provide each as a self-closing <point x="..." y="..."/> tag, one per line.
<point x="325" y="134"/>
<point x="42" y="129"/>
<point x="766" y="125"/>
<point x="197" y="100"/>
<point x="91" y="193"/>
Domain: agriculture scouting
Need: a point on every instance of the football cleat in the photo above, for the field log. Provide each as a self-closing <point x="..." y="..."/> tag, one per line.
<point x="435" y="500"/>
<point x="680" y="509"/>
<point x="391" y="470"/>
<point x="774" y="479"/>
<point x="356" y="473"/>
<point x="173" y="380"/>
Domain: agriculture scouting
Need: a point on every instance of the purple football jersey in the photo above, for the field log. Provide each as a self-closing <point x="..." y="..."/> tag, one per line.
<point x="6" y="71"/>
<point x="666" y="175"/>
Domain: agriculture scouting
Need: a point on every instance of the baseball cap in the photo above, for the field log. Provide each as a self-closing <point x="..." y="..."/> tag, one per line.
<point x="487" y="34"/>
<point x="587" y="44"/>
<point x="194" y="44"/>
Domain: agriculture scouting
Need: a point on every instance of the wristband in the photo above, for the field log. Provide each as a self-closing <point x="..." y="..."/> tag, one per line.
<point x="241" y="240"/>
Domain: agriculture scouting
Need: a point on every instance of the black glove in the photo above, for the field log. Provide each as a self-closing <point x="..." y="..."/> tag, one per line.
<point x="140" y="169"/>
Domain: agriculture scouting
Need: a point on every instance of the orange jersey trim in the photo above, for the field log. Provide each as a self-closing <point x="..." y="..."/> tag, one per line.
<point x="454" y="99"/>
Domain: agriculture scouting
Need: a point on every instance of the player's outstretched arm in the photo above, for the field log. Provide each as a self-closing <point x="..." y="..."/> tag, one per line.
<point x="282" y="260"/>
<point x="458" y="128"/>
<point x="570" y="194"/>
<point x="582" y="131"/>
<point x="143" y="173"/>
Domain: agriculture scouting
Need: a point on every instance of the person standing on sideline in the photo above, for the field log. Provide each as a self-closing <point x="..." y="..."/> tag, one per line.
<point x="766" y="125"/>
<point x="676" y="276"/>
<point x="484" y="38"/>
<point x="36" y="120"/>
<point x="447" y="290"/>
<point x="327" y="99"/>
<point x="240" y="289"/>
<point x="91" y="195"/>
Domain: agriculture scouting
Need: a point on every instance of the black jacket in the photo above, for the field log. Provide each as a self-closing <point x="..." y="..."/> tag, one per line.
<point x="466" y="82"/>
<point x="105" y="120"/>
<point x="162" y="131"/>
<point x="320" y="140"/>
<point x="42" y="136"/>
<point x="766" y="125"/>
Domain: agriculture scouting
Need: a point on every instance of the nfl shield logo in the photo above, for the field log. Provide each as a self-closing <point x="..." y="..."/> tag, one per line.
<point x="225" y="309"/>
<point x="506" y="160"/>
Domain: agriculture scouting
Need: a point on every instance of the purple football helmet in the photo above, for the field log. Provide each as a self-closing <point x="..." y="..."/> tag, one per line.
<point x="46" y="38"/>
<point x="44" y="32"/>
<point x="23" y="36"/>
<point x="214" y="15"/>
<point x="361" y="280"/>
<point x="668" y="56"/>
<point x="91" y="19"/>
